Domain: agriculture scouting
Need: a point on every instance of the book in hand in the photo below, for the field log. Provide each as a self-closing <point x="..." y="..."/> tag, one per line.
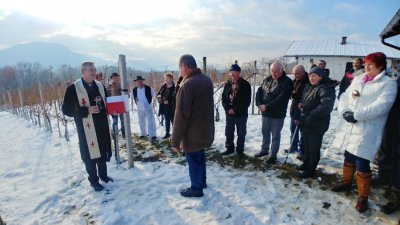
<point x="117" y="104"/>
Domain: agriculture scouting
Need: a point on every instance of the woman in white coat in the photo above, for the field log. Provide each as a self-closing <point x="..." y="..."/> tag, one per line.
<point x="364" y="106"/>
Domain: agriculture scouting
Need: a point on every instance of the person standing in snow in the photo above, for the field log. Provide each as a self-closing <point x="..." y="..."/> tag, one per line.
<point x="193" y="128"/>
<point x="322" y="64"/>
<point x="389" y="156"/>
<point x="85" y="101"/>
<point x="364" y="106"/>
<point x="143" y="95"/>
<point x="165" y="99"/>
<point x="114" y="89"/>
<point x="236" y="98"/>
<point x="316" y="106"/>
<point x="272" y="100"/>
<point x="348" y="77"/>
<point x="300" y="82"/>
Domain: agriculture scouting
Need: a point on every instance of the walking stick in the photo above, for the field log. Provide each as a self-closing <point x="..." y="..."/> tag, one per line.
<point x="291" y="142"/>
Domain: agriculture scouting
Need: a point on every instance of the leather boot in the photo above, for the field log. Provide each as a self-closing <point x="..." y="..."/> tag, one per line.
<point x="394" y="203"/>
<point x="348" y="175"/>
<point x="364" y="188"/>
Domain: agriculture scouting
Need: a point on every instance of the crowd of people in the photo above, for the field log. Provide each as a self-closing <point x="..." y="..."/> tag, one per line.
<point x="366" y="100"/>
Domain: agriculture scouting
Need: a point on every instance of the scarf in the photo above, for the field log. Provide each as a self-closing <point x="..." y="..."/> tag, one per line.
<point x="88" y="124"/>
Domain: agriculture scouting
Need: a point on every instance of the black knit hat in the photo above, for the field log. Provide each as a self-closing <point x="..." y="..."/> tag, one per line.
<point x="114" y="75"/>
<point x="320" y="72"/>
<point x="235" y="67"/>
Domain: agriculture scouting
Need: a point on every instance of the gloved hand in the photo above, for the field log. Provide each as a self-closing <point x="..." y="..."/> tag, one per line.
<point x="349" y="117"/>
<point x="304" y="120"/>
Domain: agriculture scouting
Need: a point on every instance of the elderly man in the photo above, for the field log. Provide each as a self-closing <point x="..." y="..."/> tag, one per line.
<point x="272" y="99"/>
<point x="194" y="122"/>
<point x="236" y="98"/>
<point x="84" y="100"/>
<point x="300" y="82"/>
<point x="114" y="89"/>
<point x="322" y="65"/>
<point x="143" y="95"/>
<point x="348" y="77"/>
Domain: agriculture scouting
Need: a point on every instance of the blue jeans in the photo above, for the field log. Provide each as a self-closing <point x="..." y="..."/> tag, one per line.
<point x="362" y="165"/>
<point x="197" y="169"/>
<point x="271" y="127"/>
<point x="241" y="129"/>
<point x="115" y="122"/>
<point x="297" y="146"/>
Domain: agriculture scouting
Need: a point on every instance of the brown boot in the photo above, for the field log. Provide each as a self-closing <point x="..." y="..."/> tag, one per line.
<point x="348" y="175"/>
<point x="364" y="187"/>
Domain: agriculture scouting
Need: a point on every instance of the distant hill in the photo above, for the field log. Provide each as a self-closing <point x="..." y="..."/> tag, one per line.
<point x="55" y="54"/>
<point x="46" y="54"/>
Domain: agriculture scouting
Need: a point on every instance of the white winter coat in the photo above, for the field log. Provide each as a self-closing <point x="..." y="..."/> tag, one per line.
<point x="371" y="109"/>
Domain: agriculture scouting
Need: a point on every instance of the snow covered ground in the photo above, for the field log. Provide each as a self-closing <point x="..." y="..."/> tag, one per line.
<point x="43" y="181"/>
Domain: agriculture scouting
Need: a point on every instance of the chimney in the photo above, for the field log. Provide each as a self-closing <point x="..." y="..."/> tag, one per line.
<point x="343" y="40"/>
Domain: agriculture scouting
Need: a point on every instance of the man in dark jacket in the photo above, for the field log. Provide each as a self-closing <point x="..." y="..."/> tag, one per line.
<point x="300" y="82"/>
<point x="316" y="105"/>
<point x="389" y="156"/>
<point x="272" y="99"/>
<point x="348" y="77"/>
<point x="236" y="98"/>
<point x="194" y="122"/>
<point x="84" y="100"/>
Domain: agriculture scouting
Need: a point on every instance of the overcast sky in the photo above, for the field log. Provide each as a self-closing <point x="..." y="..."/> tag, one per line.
<point x="222" y="30"/>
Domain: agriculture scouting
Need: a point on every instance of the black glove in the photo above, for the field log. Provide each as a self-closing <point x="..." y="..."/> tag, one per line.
<point x="304" y="120"/>
<point x="349" y="117"/>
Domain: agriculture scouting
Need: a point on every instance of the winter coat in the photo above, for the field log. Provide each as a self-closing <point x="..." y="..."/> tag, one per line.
<point x="166" y="94"/>
<point x="71" y="108"/>
<point x="318" y="103"/>
<point x="391" y="135"/>
<point x="297" y="94"/>
<point x="275" y="96"/>
<point x="241" y="102"/>
<point x="370" y="103"/>
<point x="194" y="114"/>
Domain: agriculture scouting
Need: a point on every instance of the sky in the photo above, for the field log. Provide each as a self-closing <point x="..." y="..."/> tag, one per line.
<point x="221" y="30"/>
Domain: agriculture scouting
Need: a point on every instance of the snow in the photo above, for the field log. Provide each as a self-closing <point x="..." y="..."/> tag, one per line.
<point x="43" y="181"/>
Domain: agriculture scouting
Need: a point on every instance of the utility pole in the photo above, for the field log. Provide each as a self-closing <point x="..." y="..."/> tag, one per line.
<point x="127" y="118"/>
<point x="254" y="86"/>
<point x="205" y="65"/>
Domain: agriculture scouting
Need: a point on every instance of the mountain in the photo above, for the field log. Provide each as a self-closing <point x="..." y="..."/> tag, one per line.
<point x="55" y="55"/>
<point x="46" y="54"/>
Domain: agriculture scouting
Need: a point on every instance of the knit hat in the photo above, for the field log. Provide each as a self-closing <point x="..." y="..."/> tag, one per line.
<point x="114" y="75"/>
<point x="235" y="67"/>
<point x="320" y="72"/>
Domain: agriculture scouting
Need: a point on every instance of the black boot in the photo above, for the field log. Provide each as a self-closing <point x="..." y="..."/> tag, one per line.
<point x="106" y="179"/>
<point x="228" y="151"/>
<point x="166" y="136"/>
<point x="261" y="153"/>
<point x="393" y="204"/>
<point x="307" y="174"/>
<point x="97" y="186"/>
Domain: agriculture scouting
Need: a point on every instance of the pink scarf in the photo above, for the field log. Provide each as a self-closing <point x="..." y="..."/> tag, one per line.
<point x="368" y="79"/>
